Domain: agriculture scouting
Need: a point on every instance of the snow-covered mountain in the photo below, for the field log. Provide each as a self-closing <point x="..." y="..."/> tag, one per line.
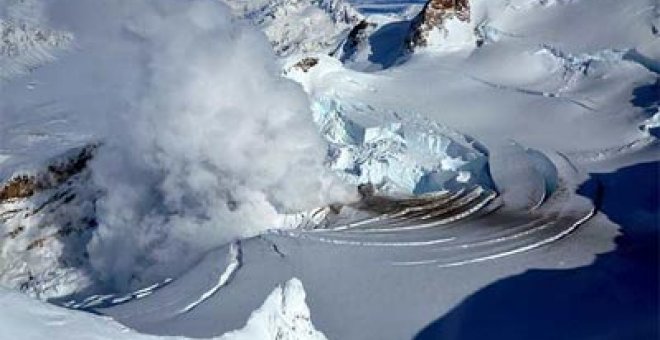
<point x="383" y="40"/>
<point x="185" y="168"/>
<point x="297" y="27"/>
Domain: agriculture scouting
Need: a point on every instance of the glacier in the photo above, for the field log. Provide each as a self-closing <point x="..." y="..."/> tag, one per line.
<point x="398" y="153"/>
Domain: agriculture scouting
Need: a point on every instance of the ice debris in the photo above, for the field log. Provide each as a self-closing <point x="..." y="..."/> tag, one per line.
<point x="397" y="153"/>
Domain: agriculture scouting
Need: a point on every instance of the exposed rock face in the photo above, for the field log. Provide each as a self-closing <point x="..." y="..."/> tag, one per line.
<point x="358" y="36"/>
<point x="306" y="63"/>
<point x="434" y="15"/>
<point x="46" y="220"/>
<point x="23" y="186"/>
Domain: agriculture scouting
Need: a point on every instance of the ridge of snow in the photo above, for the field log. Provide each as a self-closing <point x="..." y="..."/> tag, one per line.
<point x="284" y="315"/>
<point x="233" y="263"/>
<point x="651" y="126"/>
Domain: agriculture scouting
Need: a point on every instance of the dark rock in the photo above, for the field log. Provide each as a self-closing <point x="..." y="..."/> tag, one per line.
<point x="434" y="14"/>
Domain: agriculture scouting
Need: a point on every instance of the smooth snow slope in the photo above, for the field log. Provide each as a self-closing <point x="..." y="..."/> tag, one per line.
<point x="283" y="315"/>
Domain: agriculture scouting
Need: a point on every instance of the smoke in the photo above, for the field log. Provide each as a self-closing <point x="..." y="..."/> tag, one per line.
<point x="203" y="141"/>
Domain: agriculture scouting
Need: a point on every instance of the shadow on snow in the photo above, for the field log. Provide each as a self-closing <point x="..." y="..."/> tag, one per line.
<point x="614" y="298"/>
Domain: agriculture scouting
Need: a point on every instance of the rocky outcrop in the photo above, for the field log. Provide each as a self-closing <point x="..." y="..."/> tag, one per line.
<point x="377" y="43"/>
<point x="306" y="63"/>
<point x="47" y="216"/>
<point x="434" y="15"/>
<point x="356" y="39"/>
<point x="23" y="186"/>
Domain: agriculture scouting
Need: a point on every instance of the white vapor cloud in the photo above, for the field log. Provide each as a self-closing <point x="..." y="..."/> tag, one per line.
<point x="203" y="141"/>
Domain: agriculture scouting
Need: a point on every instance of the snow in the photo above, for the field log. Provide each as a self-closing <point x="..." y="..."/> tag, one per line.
<point x="399" y="153"/>
<point x="485" y="94"/>
<point x="480" y="147"/>
<point x="283" y="315"/>
<point x="379" y="7"/>
<point x="511" y="163"/>
<point x="233" y="263"/>
<point x="32" y="319"/>
<point x="298" y="27"/>
<point x="339" y="266"/>
<point x="652" y="125"/>
<point x="46" y="235"/>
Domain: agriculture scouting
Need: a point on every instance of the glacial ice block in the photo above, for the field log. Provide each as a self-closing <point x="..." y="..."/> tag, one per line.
<point x="399" y="153"/>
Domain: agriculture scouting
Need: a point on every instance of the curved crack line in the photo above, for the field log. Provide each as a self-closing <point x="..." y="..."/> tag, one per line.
<point x="234" y="263"/>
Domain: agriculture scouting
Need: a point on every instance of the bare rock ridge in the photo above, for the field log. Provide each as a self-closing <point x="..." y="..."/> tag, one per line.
<point x="434" y="15"/>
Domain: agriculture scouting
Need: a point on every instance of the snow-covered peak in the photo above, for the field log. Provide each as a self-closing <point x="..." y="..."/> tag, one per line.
<point x="300" y="26"/>
<point x="283" y="316"/>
